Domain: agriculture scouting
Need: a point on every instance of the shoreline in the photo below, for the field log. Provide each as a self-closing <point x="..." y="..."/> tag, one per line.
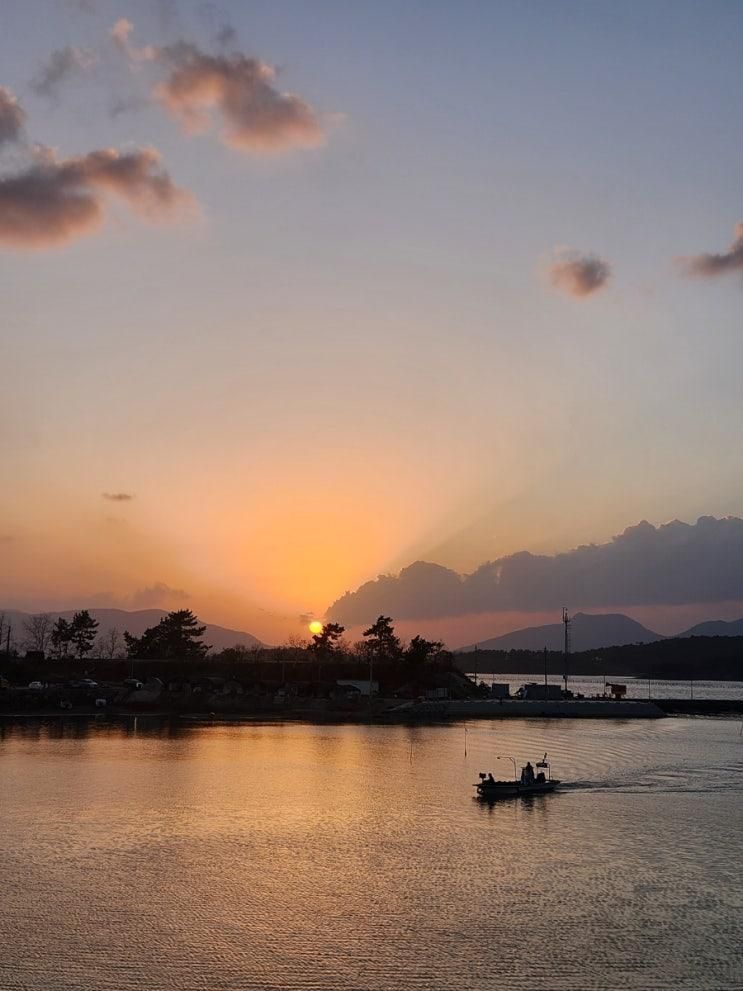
<point x="420" y="713"/>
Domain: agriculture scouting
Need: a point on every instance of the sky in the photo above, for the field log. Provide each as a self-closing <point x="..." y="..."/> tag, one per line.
<point x="299" y="294"/>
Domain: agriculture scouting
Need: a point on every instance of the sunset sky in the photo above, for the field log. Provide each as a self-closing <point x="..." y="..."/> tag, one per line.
<point x="297" y="294"/>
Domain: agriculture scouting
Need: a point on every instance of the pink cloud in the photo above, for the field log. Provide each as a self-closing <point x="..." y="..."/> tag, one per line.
<point x="57" y="200"/>
<point x="579" y="275"/>
<point x="257" y="116"/>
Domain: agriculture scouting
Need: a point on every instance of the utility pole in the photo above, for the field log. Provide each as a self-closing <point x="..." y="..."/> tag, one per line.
<point x="566" y="649"/>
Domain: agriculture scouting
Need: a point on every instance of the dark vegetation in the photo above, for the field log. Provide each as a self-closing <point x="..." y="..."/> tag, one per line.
<point x="710" y="658"/>
<point x="173" y="651"/>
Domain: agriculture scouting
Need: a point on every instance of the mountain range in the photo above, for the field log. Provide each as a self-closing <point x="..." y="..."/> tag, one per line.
<point x="135" y="623"/>
<point x="592" y="631"/>
<point x="588" y="631"/>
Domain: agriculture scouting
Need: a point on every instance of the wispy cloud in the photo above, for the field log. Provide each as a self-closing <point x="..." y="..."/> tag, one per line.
<point x="710" y="265"/>
<point x="60" y="66"/>
<point x="121" y="33"/>
<point x="12" y="117"/>
<point x="56" y="200"/>
<point x="159" y="594"/>
<point x="579" y="275"/>
<point x="226" y="36"/>
<point x="118" y="496"/>
<point x="257" y="115"/>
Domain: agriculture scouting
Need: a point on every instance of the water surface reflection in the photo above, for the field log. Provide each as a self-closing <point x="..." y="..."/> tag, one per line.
<point x="291" y="856"/>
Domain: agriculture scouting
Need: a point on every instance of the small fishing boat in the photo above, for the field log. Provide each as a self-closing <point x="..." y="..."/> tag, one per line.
<point x="529" y="783"/>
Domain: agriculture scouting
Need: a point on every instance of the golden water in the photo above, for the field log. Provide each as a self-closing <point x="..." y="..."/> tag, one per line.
<point x="294" y="856"/>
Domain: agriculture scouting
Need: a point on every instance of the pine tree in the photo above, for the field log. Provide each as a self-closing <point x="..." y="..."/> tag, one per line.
<point x="327" y="642"/>
<point x="61" y="638"/>
<point x="382" y="642"/>
<point x="420" y="651"/>
<point x="176" y="635"/>
<point x="82" y="631"/>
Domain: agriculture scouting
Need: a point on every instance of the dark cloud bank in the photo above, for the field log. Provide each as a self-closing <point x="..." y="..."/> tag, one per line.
<point x="672" y="564"/>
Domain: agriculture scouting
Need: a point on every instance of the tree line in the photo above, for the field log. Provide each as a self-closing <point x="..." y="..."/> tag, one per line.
<point x="76" y="637"/>
<point x="179" y="635"/>
<point x="380" y="643"/>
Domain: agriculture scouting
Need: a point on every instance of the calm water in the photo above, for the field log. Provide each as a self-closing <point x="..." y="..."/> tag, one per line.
<point x="293" y="856"/>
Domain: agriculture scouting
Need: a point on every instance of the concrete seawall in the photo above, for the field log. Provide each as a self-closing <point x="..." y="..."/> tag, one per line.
<point x="510" y="708"/>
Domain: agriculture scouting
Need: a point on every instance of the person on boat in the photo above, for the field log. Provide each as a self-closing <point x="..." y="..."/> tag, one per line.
<point x="491" y="779"/>
<point x="527" y="774"/>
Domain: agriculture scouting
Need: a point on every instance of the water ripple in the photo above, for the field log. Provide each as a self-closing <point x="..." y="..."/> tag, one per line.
<point x="300" y="857"/>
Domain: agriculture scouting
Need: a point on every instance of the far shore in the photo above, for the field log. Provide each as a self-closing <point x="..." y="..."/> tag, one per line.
<point x="431" y="713"/>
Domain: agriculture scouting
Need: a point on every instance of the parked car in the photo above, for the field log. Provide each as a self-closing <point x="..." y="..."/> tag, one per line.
<point x="133" y="683"/>
<point x="84" y="683"/>
<point x="36" y="684"/>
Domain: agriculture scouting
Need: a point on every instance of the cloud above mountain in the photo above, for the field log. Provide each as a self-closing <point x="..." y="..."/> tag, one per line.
<point x="157" y="595"/>
<point x="56" y="200"/>
<point x="579" y="275"/>
<point x="711" y="265"/>
<point x="676" y="563"/>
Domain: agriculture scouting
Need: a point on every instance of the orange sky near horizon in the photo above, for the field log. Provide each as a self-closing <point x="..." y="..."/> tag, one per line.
<point x="249" y="369"/>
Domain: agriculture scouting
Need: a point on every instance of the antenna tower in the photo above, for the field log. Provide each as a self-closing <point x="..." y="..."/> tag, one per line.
<point x="566" y="621"/>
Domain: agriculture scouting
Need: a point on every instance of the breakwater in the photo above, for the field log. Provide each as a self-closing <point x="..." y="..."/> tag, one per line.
<point x="522" y="708"/>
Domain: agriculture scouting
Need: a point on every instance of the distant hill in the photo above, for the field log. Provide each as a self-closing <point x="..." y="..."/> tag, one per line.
<point x="715" y="628"/>
<point x="136" y="623"/>
<point x="587" y="632"/>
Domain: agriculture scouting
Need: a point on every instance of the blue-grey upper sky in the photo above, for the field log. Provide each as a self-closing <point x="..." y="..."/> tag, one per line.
<point x="473" y="287"/>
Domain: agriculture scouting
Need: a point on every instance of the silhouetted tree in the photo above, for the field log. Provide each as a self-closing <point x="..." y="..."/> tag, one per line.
<point x="240" y="654"/>
<point x="328" y="642"/>
<point x="38" y="632"/>
<point x="176" y="635"/>
<point x="7" y="642"/>
<point x="110" y="643"/>
<point x="420" y="651"/>
<point x="61" y="638"/>
<point x="381" y="641"/>
<point x="82" y="632"/>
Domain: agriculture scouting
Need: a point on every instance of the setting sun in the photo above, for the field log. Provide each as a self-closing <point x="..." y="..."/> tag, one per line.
<point x="315" y="626"/>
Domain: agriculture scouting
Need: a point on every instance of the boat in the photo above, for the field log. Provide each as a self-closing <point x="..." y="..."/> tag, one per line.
<point x="529" y="783"/>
